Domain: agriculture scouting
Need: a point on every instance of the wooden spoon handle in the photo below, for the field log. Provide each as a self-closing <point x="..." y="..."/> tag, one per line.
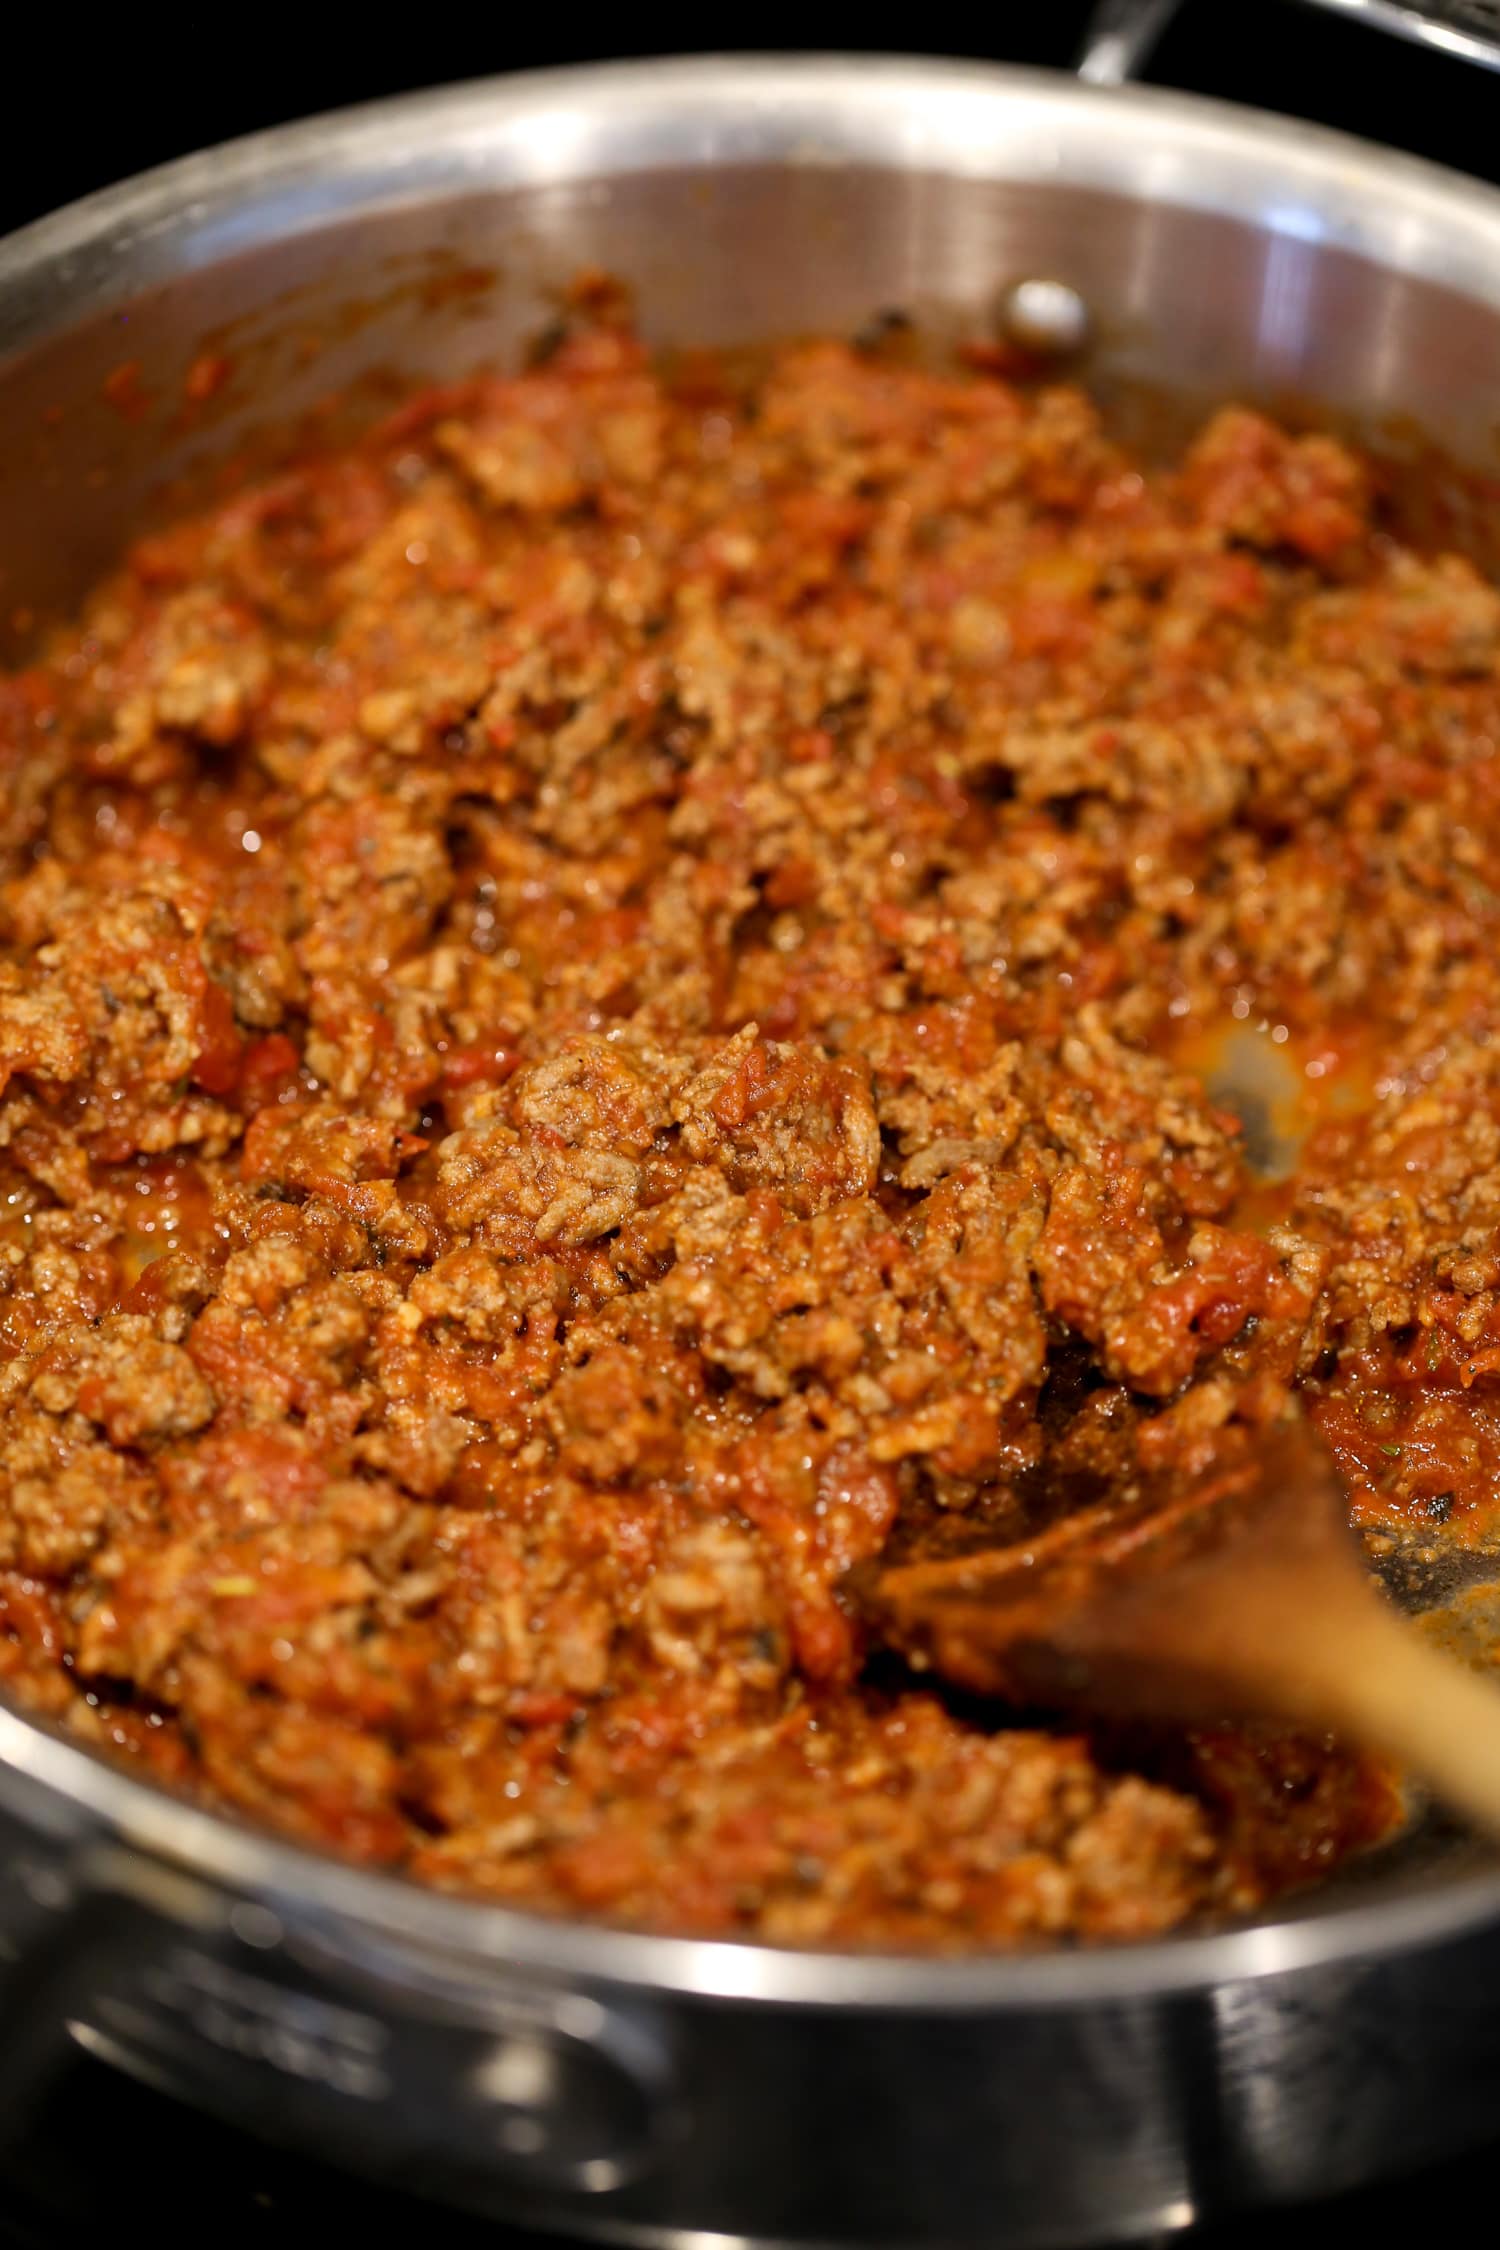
<point x="1359" y="1670"/>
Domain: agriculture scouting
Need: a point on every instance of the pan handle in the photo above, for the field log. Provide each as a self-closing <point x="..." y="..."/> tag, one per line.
<point x="1120" y="37"/>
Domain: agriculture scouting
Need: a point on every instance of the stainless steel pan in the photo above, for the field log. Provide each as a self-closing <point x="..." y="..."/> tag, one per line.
<point x="1122" y="33"/>
<point x="648" y="2088"/>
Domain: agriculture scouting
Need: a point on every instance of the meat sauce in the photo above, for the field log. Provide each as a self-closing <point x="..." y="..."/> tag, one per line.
<point x="604" y="1000"/>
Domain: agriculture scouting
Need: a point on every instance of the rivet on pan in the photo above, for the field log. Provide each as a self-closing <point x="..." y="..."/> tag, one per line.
<point x="519" y="2072"/>
<point x="1045" y="317"/>
<point x="255" y="1925"/>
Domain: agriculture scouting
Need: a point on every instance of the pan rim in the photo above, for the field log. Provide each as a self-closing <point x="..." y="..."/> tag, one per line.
<point x="877" y="111"/>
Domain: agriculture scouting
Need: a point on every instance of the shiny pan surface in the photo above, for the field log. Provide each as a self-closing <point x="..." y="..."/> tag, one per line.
<point x="648" y="2088"/>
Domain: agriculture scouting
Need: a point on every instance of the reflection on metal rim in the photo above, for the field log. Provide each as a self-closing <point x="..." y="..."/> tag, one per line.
<point x="968" y="121"/>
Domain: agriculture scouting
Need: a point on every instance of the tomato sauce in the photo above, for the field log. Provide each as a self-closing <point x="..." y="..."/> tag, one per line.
<point x="657" y="974"/>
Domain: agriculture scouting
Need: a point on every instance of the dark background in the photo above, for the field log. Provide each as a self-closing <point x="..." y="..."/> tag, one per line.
<point x="91" y="95"/>
<point x="87" y="99"/>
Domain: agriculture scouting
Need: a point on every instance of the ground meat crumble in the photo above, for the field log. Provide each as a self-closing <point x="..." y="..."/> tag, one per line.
<point x="604" y="1000"/>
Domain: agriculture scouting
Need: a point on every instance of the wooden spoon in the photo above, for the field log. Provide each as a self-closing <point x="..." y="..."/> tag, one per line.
<point x="1240" y="1594"/>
